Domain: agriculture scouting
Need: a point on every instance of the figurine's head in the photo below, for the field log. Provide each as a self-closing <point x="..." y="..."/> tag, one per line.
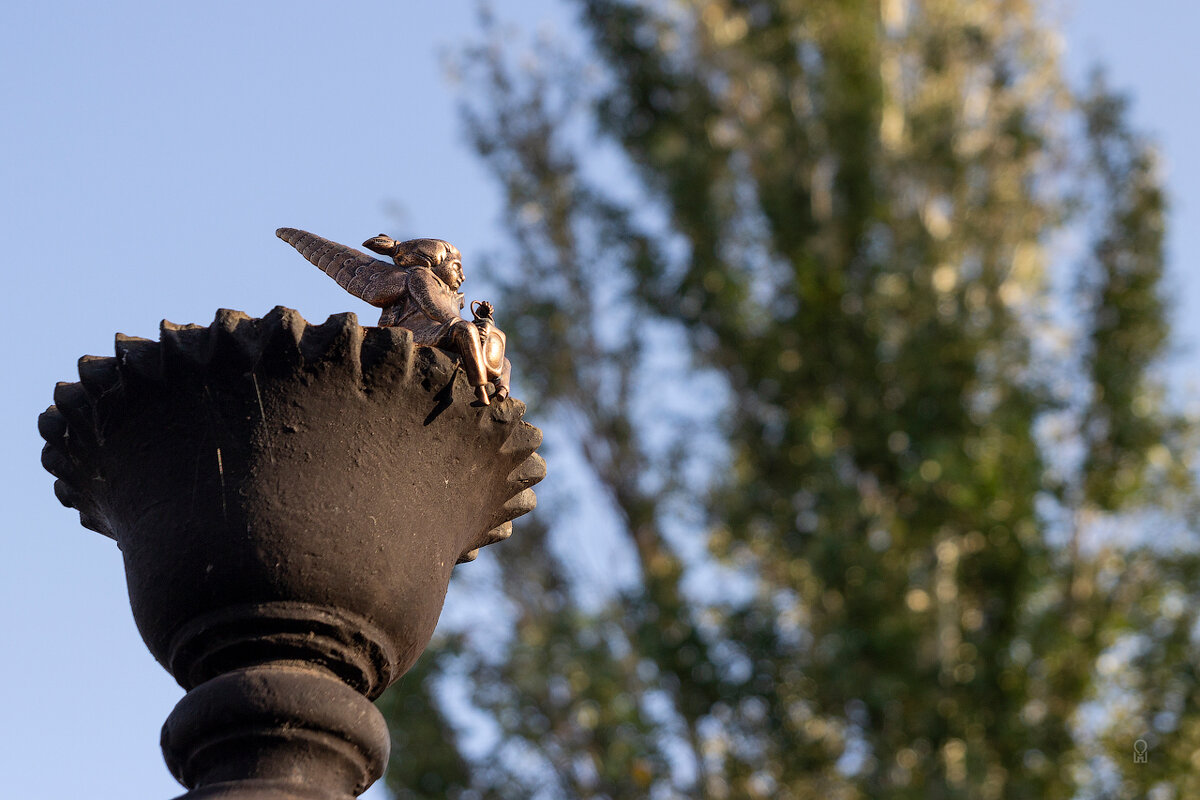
<point x="438" y="255"/>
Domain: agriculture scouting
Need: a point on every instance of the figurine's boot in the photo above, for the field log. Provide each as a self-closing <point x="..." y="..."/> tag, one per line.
<point x="503" y="387"/>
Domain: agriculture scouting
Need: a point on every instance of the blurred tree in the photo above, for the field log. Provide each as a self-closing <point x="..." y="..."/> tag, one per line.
<point x="790" y="283"/>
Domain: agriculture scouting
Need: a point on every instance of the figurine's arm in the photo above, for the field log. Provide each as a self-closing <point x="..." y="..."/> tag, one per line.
<point x="432" y="296"/>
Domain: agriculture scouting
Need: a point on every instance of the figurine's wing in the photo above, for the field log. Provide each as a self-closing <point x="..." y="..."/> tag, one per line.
<point x="377" y="282"/>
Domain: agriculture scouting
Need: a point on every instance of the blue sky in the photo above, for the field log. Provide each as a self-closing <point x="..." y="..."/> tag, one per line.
<point x="149" y="151"/>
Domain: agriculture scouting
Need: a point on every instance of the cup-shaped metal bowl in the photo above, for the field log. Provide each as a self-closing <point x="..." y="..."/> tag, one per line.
<point x="284" y="488"/>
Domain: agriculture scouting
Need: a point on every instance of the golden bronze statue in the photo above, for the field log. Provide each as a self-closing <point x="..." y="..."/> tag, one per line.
<point x="417" y="291"/>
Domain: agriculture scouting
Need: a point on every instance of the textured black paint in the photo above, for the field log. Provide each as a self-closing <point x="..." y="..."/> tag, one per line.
<point x="290" y="500"/>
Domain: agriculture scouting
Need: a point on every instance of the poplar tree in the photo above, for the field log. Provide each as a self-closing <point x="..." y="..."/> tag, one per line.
<point x="848" y="317"/>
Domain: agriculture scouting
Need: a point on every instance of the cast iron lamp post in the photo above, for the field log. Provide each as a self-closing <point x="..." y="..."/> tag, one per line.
<point x="290" y="500"/>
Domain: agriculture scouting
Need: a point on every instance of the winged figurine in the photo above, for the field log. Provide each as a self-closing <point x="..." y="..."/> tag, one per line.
<point x="418" y="290"/>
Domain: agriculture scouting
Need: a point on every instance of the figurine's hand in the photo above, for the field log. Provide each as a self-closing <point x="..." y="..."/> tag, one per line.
<point x="484" y="310"/>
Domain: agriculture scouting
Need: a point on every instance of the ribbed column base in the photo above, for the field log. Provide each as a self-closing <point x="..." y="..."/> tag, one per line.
<point x="283" y="731"/>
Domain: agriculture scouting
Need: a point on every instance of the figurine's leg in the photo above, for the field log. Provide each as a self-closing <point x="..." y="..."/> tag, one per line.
<point x="464" y="339"/>
<point x="503" y="388"/>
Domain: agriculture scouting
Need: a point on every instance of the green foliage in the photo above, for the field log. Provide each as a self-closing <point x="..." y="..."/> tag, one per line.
<point x="844" y="214"/>
<point x="1127" y="324"/>
<point x="421" y="771"/>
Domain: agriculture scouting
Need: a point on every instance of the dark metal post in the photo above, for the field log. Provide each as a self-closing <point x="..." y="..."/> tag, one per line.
<point x="290" y="500"/>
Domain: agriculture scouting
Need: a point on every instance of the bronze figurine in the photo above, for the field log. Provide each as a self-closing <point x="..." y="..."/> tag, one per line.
<point x="418" y="291"/>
